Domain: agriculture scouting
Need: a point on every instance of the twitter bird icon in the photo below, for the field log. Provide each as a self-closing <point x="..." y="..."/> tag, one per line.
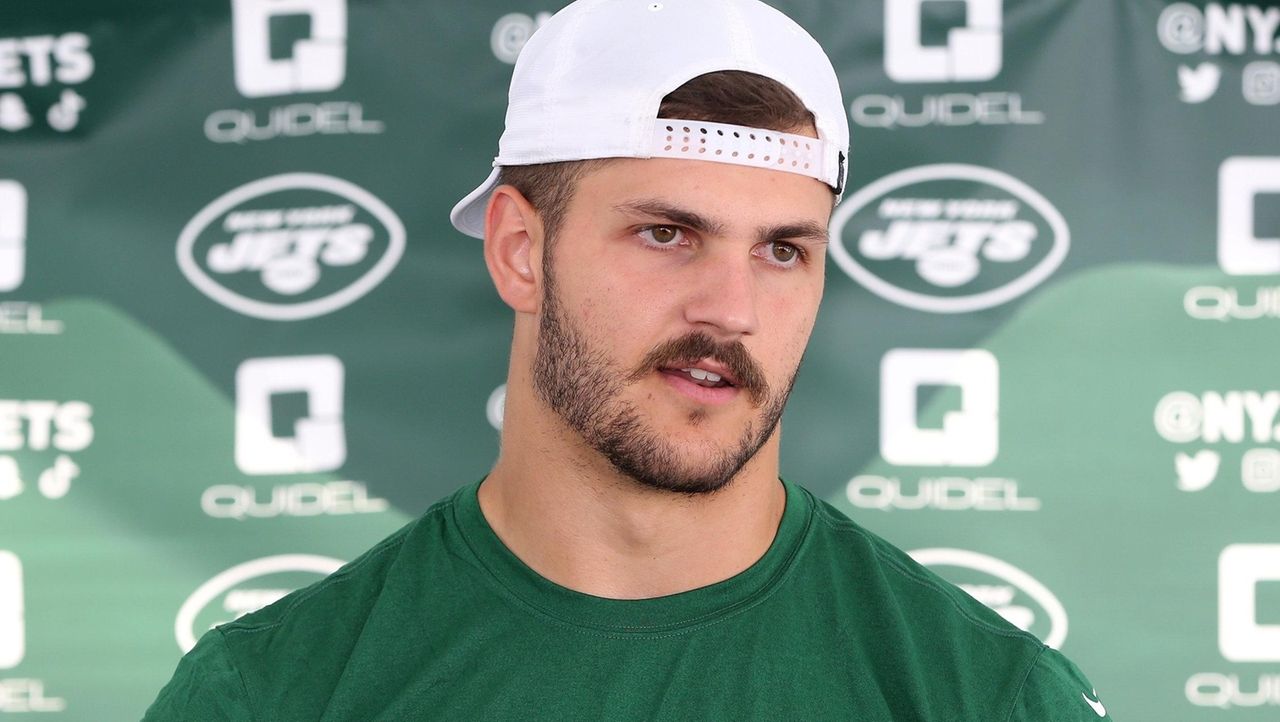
<point x="1198" y="84"/>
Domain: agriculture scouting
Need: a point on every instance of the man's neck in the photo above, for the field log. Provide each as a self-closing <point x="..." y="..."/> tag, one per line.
<point x="575" y="520"/>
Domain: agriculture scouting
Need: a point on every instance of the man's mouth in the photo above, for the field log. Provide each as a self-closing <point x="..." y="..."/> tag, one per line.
<point x="700" y="376"/>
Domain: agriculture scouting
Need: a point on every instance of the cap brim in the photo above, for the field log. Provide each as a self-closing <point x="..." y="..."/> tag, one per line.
<point x="468" y="215"/>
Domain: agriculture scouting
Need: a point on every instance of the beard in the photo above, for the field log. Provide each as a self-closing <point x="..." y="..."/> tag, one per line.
<point x="581" y="384"/>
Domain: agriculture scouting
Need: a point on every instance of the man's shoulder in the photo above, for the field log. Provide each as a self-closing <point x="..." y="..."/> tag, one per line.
<point x="347" y="596"/>
<point x="859" y="552"/>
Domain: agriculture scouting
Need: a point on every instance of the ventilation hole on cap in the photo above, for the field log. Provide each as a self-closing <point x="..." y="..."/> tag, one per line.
<point x="752" y="136"/>
<point x="684" y="149"/>
<point x="780" y="161"/>
<point x="669" y="129"/>
<point x="686" y="129"/>
<point x="719" y="132"/>
<point x="735" y="134"/>
<point x="807" y="147"/>
<point x="718" y="152"/>
<point x="766" y="158"/>
<point x="806" y="166"/>
<point x="669" y="139"/>
<point x="702" y="150"/>
<point x="767" y="139"/>
<point x="655" y="7"/>
<point x="735" y="154"/>
<point x="750" y="155"/>
<point x="702" y="130"/>
<point x="667" y="148"/>
<point x="702" y="140"/>
<point x="794" y="163"/>
<point x="796" y="143"/>
<point x="686" y="139"/>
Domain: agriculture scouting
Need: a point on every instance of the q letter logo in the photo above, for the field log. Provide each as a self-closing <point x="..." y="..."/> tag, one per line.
<point x="972" y="52"/>
<point x="968" y="436"/>
<point x="1241" y="638"/>
<point x="13" y="234"/>
<point x="1241" y="250"/>
<point x="12" y="634"/>
<point x="319" y="440"/>
<point x="317" y="63"/>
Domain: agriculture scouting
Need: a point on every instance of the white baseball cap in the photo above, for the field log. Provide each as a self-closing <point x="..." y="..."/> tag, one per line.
<point x="589" y="82"/>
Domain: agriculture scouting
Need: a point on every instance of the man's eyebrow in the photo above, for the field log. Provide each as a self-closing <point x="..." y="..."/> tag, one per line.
<point x="799" y="231"/>
<point x="675" y="214"/>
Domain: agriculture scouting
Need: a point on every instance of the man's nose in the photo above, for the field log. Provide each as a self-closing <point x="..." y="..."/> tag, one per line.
<point x="723" y="297"/>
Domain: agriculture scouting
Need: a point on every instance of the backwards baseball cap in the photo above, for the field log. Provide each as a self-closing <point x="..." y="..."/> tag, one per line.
<point x="589" y="82"/>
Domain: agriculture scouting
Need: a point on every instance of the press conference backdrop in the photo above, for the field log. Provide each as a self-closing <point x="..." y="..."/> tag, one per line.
<point x="240" y="342"/>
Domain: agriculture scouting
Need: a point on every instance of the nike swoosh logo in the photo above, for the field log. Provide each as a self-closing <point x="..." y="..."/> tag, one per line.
<point x="1096" y="705"/>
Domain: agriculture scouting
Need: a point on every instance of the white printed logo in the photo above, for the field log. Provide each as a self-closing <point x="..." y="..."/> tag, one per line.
<point x="948" y="238"/>
<point x="966" y="437"/>
<point x="13" y="234"/>
<point x="1241" y="638"/>
<point x="12" y="627"/>
<point x="1261" y="83"/>
<point x="496" y="407"/>
<point x="1196" y="473"/>
<point x="511" y="32"/>
<point x="1009" y="591"/>
<point x="1198" y="84"/>
<point x="1219" y="29"/>
<point x="39" y="426"/>
<point x="317" y="63"/>
<point x="1242" y="249"/>
<point x="260" y="251"/>
<point x="240" y="600"/>
<point x="972" y="53"/>
<point x="318" y="442"/>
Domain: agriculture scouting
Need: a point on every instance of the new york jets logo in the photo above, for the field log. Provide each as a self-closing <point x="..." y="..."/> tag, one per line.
<point x="948" y="238"/>
<point x="291" y="246"/>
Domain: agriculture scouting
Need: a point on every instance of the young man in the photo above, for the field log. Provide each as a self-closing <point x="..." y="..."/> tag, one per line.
<point x="657" y="220"/>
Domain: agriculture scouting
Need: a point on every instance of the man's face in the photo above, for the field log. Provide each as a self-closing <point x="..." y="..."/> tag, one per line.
<point x="678" y="299"/>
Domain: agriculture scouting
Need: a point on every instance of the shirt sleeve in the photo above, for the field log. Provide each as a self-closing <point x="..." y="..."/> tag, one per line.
<point x="1057" y="691"/>
<point x="206" y="686"/>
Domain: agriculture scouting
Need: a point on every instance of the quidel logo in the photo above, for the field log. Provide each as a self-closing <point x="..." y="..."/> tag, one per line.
<point x="1241" y="636"/>
<point x="319" y="441"/>
<point x="948" y="238"/>
<point x="13" y="234"/>
<point x="968" y="436"/>
<point x="1246" y="631"/>
<point x="291" y="246"/>
<point x="315" y="63"/>
<point x="246" y="588"/>
<point x="1243" y="247"/>
<point x="972" y="52"/>
<point x="1009" y="591"/>
<point x="12" y="628"/>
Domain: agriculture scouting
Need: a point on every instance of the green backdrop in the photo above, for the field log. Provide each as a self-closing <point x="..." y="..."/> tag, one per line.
<point x="240" y="341"/>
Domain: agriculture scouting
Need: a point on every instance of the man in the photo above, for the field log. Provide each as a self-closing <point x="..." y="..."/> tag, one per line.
<point x="657" y="220"/>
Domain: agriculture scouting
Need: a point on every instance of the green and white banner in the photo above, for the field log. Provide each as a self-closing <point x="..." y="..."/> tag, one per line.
<point x="240" y="341"/>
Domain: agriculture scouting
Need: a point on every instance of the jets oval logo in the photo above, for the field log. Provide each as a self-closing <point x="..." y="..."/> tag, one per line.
<point x="291" y="246"/>
<point x="246" y="588"/>
<point x="1012" y="593"/>
<point x="948" y="238"/>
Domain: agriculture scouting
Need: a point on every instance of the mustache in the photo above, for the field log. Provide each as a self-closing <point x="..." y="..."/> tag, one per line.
<point x="695" y="346"/>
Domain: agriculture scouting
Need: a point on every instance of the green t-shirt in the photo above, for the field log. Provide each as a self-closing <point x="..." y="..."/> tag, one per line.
<point x="442" y="621"/>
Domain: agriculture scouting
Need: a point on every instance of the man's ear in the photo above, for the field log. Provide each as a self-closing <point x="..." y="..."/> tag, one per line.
<point x="513" y="248"/>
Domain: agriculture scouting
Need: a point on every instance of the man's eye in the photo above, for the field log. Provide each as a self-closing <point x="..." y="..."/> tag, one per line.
<point x="662" y="235"/>
<point x="782" y="254"/>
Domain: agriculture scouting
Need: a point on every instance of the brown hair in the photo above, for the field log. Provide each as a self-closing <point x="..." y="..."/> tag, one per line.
<point x="726" y="96"/>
